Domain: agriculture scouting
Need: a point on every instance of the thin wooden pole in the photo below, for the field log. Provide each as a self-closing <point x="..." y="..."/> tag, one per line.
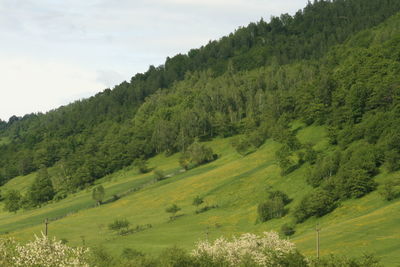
<point x="46" y="222"/>
<point x="317" y="229"/>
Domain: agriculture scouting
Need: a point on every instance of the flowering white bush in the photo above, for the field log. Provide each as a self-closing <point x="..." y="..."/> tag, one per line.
<point x="7" y="251"/>
<point x="263" y="250"/>
<point x="41" y="252"/>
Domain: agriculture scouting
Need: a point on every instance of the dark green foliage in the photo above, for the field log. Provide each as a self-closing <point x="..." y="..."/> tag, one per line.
<point x="355" y="183"/>
<point x="392" y="160"/>
<point x="242" y="145"/>
<point x="159" y="175"/>
<point x="130" y="254"/>
<point x="310" y="154"/>
<point x="390" y="190"/>
<point x="339" y="261"/>
<point x="274" y="207"/>
<point x="175" y="257"/>
<point x="173" y="209"/>
<point x="197" y="201"/>
<point x="100" y="257"/>
<point x="12" y="201"/>
<point x="317" y="203"/>
<point x="98" y="194"/>
<point x="294" y="259"/>
<point x="285" y="161"/>
<point x="287" y="229"/>
<point x="195" y="155"/>
<point x="206" y="208"/>
<point x="359" y="165"/>
<point x="121" y="226"/>
<point x="248" y="142"/>
<point x="276" y="194"/>
<point x="71" y="132"/>
<point x="325" y="168"/>
<point x="41" y="190"/>
<point x="316" y="67"/>
<point x="141" y="165"/>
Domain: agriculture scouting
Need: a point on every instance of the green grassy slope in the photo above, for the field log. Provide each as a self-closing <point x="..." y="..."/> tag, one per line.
<point x="236" y="184"/>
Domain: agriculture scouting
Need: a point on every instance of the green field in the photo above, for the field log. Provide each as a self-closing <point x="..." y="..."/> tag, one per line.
<point x="233" y="182"/>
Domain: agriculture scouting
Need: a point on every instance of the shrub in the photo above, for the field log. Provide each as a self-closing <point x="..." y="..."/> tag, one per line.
<point x="242" y="145"/>
<point x="390" y="190"/>
<point x="310" y="154"/>
<point x="392" y="160"/>
<point x="281" y="195"/>
<point x="175" y="257"/>
<point x="195" y="155"/>
<point x="247" y="250"/>
<point x="99" y="256"/>
<point x="141" y="165"/>
<point x="285" y="162"/>
<point x="129" y="253"/>
<point x="12" y="201"/>
<point x="98" y="194"/>
<point x="197" y="201"/>
<point x="206" y="208"/>
<point x="324" y="168"/>
<point x="317" y="203"/>
<point x="339" y="261"/>
<point x="159" y="174"/>
<point x="287" y="229"/>
<point x="274" y="207"/>
<point x="354" y="183"/>
<point x="41" y="252"/>
<point x="121" y="226"/>
<point x="173" y="209"/>
<point x="41" y="190"/>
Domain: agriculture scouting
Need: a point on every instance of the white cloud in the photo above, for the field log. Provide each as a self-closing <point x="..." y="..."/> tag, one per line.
<point x="66" y="49"/>
<point x="29" y="85"/>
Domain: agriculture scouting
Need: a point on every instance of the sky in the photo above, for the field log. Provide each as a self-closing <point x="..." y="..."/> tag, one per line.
<point x="55" y="52"/>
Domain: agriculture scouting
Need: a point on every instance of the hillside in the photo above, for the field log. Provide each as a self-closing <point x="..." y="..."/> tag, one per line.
<point x="309" y="141"/>
<point x="100" y="130"/>
<point x="236" y="184"/>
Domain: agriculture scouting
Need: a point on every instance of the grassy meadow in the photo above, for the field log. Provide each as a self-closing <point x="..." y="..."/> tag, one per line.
<point x="235" y="184"/>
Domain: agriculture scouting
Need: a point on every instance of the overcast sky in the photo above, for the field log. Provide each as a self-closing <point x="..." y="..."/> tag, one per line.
<point x="53" y="52"/>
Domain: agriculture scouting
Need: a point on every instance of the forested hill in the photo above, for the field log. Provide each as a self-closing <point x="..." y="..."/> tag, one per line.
<point x="254" y="81"/>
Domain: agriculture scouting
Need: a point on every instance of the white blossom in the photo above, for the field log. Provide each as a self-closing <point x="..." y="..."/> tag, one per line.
<point x="263" y="250"/>
<point x="41" y="252"/>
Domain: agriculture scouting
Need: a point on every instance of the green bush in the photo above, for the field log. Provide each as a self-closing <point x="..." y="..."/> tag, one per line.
<point x="206" y="208"/>
<point x="390" y="190"/>
<point x="392" y="160"/>
<point x="366" y="260"/>
<point x="141" y="165"/>
<point x="12" y="201"/>
<point x="317" y="203"/>
<point x="173" y="209"/>
<point x="159" y="175"/>
<point x="287" y="229"/>
<point x="195" y="155"/>
<point x="197" y="201"/>
<point x="274" y="207"/>
<point x="121" y="226"/>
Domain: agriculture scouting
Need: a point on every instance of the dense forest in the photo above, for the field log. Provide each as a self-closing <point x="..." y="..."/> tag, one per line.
<point x="253" y="83"/>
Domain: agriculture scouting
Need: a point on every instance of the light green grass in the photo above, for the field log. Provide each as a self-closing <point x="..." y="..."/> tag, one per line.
<point x="236" y="184"/>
